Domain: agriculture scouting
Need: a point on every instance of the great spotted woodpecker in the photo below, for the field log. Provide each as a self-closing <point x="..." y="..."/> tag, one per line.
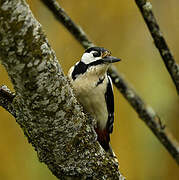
<point x="93" y="89"/>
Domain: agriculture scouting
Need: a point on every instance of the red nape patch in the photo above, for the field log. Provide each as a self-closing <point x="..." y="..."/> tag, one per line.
<point x="103" y="138"/>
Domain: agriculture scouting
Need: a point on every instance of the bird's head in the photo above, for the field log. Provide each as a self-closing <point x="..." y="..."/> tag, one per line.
<point x="94" y="56"/>
<point x="94" y="61"/>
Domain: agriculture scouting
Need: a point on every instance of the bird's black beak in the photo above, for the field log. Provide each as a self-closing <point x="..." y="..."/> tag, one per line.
<point x="110" y="59"/>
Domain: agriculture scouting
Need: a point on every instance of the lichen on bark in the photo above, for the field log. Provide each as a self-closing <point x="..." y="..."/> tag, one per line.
<point x="47" y="110"/>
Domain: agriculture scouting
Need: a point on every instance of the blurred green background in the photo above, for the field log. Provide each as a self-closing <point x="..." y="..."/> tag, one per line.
<point x="118" y="26"/>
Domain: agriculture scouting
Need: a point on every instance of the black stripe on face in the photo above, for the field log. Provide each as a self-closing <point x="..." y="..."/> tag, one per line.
<point x="95" y="63"/>
<point x="80" y="68"/>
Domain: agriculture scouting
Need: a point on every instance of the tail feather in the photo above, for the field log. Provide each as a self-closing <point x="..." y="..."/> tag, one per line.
<point x="103" y="138"/>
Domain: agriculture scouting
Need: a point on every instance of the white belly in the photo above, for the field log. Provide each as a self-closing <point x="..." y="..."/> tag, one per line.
<point x="92" y="98"/>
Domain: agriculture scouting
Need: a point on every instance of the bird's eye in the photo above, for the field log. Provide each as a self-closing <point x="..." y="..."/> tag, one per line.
<point x="96" y="54"/>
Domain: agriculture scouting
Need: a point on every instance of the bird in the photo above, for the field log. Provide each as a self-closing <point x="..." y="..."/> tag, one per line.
<point x="93" y="89"/>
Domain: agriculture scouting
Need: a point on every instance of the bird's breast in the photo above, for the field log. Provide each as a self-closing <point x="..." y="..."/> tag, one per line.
<point x="92" y="96"/>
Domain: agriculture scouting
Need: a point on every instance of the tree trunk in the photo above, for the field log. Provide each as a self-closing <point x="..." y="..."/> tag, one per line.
<point x="44" y="105"/>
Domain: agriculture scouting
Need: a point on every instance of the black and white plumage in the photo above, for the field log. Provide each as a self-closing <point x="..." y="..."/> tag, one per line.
<point x="93" y="89"/>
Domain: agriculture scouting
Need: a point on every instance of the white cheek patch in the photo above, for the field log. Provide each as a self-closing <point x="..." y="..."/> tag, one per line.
<point x="88" y="58"/>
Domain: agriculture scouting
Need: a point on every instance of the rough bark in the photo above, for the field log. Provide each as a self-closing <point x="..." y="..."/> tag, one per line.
<point x="46" y="108"/>
<point x="6" y="100"/>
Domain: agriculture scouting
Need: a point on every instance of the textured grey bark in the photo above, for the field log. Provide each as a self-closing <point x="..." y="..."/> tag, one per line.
<point x="6" y="100"/>
<point x="46" y="108"/>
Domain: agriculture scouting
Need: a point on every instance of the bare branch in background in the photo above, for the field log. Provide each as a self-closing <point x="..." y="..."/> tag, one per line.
<point x="148" y="115"/>
<point x="145" y="113"/>
<point x="159" y="40"/>
<point x="47" y="111"/>
<point x="63" y="18"/>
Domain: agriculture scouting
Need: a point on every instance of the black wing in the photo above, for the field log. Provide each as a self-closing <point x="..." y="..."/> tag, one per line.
<point x="109" y="97"/>
<point x="104" y="135"/>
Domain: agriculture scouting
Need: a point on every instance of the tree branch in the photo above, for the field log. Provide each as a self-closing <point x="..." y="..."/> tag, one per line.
<point x="64" y="19"/>
<point x="145" y="113"/>
<point x="159" y="40"/>
<point x="47" y="110"/>
<point x="6" y="100"/>
<point x="148" y="115"/>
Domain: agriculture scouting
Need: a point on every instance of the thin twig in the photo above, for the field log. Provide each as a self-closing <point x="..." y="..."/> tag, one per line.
<point x="6" y="98"/>
<point x="64" y="19"/>
<point x="145" y="113"/>
<point x="159" y="40"/>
